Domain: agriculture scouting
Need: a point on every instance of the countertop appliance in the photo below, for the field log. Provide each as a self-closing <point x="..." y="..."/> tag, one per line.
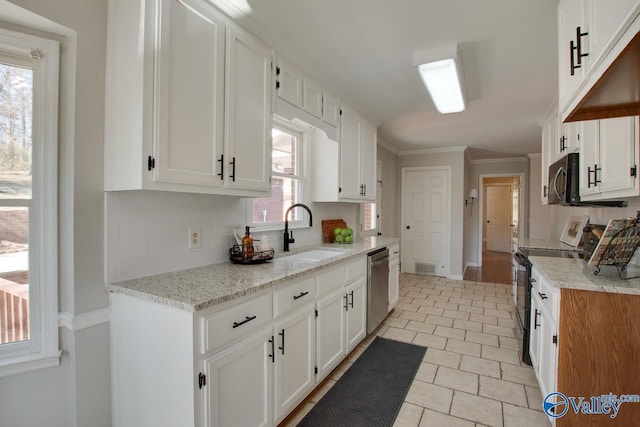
<point x="523" y="291"/>
<point x="564" y="184"/>
<point x="377" y="288"/>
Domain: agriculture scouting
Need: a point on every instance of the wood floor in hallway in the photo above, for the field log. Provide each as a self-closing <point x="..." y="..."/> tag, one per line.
<point x="496" y="268"/>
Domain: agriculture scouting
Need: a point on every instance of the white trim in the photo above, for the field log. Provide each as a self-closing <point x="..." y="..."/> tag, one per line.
<point x="534" y="155"/>
<point x="388" y="147"/>
<point x="505" y="160"/>
<point x="433" y="150"/>
<point x="77" y="322"/>
<point x="454" y="277"/>
<point x="31" y="362"/>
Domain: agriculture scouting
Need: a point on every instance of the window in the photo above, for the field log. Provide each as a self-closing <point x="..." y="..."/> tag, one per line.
<point x="369" y="217"/>
<point x="28" y="202"/>
<point x="287" y="179"/>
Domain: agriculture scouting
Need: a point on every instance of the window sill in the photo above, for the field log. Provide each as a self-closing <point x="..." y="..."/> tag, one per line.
<point x="21" y="364"/>
<point x="277" y="227"/>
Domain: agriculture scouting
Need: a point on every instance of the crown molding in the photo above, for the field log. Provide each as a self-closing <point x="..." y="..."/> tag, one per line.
<point x="505" y="160"/>
<point x="388" y="147"/>
<point x="457" y="148"/>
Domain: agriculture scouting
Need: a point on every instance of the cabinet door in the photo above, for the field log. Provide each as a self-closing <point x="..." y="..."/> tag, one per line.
<point x="356" y="312"/>
<point x="330" y="332"/>
<point x="606" y="17"/>
<point x="368" y="165"/>
<point x="248" y="112"/>
<point x="350" y="166"/>
<point x="618" y="141"/>
<point x="534" y="332"/>
<point x="295" y="356"/>
<point x="573" y="132"/>
<point x="548" y="353"/>
<point x="189" y="87"/>
<point x="589" y="154"/>
<point x="312" y="99"/>
<point x="394" y="283"/>
<point x="289" y="84"/>
<point x="238" y="378"/>
<point x="570" y="16"/>
<point x="330" y="108"/>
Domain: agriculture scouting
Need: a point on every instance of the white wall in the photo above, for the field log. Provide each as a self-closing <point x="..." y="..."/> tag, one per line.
<point x="390" y="192"/>
<point x="540" y="223"/>
<point x="147" y="231"/>
<point x="456" y="160"/>
<point x="77" y="393"/>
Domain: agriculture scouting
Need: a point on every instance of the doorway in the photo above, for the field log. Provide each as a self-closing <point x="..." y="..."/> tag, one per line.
<point x="426" y="220"/>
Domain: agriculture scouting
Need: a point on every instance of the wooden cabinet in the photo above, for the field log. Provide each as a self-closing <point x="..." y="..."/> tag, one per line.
<point x="591" y="34"/>
<point x="238" y="378"/>
<point x="294" y="360"/>
<point x="185" y="109"/>
<point x="609" y="158"/>
<point x="394" y="276"/>
<point x="357" y="157"/>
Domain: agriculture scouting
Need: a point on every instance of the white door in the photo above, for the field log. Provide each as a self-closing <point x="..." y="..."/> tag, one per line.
<point x="248" y="112"/>
<point x="189" y="80"/>
<point x="426" y="221"/>
<point x="240" y="378"/>
<point x="330" y="329"/>
<point x="295" y="356"/>
<point x="498" y="219"/>
<point x="356" y="313"/>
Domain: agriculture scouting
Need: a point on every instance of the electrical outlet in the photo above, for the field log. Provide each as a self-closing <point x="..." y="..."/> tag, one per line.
<point x="194" y="238"/>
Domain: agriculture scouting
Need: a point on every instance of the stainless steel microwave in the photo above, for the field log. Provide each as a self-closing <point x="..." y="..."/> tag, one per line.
<point x="564" y="184"/>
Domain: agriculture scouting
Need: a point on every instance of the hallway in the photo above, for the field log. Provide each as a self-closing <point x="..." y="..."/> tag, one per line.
<point x="496" y="268"/>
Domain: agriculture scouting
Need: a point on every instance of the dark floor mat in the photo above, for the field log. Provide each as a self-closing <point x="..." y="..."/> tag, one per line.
<point x="372" y="390"/>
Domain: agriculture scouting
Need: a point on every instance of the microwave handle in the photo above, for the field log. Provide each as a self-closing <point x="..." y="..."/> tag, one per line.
<point x="555" y="182"/>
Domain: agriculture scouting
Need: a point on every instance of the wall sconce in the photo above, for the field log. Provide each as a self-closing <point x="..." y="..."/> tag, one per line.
<point x="473" y="194"/>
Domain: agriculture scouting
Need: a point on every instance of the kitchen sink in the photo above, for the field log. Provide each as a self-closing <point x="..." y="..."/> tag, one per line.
<point x="315" y="255"/>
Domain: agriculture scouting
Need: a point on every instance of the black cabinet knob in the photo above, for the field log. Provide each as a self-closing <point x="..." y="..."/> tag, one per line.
<point x="408" y="227"/>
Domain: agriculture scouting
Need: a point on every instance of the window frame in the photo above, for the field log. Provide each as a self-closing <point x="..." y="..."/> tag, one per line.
<point x="42" y="348"/>
<point x="302" y="133"/>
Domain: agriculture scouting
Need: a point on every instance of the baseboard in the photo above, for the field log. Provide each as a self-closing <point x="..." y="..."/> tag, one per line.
<point x="76" y="322"/>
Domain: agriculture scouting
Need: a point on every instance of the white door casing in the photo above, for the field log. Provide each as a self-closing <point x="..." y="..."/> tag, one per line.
<point x="426" y="220"/>
<point x="499" y="207"/>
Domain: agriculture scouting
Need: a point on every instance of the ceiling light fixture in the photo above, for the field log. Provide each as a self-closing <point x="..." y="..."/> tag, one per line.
<point x="442" y="75"/>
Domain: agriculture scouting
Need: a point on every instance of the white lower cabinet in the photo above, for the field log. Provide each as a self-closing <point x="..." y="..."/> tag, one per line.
<point x="356" y="324"/>
<point x="238" y="378"/>
<point x="330" y="332"/>
<point x="394" y="276"/>
<point x="294" y="360"/>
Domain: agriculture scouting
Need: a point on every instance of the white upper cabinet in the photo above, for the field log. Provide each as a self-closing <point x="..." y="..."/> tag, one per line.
<point x="330" y="108"/>
<point x="549" y="155"/>
<point x="591" y="35"/>
<point x="289" y="83"/>
<point x="609" y="158"/>
<point x="312" y="99"/>
<point x="368" y="165"/>
<point x="248" y="112"/>
<point x="187" y="92"/>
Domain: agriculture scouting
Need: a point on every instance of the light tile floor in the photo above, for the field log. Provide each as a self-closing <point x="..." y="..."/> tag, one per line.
<point x="471" y="374"/>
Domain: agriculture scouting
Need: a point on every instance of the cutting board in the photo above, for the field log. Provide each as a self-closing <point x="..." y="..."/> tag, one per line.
<point x="328" y="225"/>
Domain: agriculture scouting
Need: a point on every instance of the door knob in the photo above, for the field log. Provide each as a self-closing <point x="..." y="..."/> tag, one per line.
<point x="408" y="227"/>
<point x="488" y="221"/>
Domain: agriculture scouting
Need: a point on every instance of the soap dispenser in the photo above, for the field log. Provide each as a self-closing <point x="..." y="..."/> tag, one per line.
<point x="247" y="243"/>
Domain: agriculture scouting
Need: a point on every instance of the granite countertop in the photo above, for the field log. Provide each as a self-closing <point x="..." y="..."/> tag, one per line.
<point x="570" y="273"/>
<point x="549" y="244"/>
<point x="199" y="288"/>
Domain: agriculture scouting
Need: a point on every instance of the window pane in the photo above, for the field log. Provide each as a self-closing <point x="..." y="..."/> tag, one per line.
<point x="284" y="153"/>
<point x="369" y="216"/>
<point x="284" y="193"/>
<point x="14" y="274"/>
<point x="16" y="108"/>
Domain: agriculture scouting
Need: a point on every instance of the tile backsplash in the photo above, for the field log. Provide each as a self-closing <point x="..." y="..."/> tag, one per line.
<point x="147" y="231"/>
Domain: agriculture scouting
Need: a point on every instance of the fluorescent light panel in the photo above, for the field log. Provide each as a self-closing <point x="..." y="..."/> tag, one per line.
<point x="443" y="83"/>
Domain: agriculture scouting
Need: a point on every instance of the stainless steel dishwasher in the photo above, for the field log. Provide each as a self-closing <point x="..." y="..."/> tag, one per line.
<point x="377" y="288"/>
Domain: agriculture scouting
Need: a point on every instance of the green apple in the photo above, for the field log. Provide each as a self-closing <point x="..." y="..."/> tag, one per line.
<point x="339" y="238"/>
<point x="337" y="231"/>
<point x="349" y="232"/>
<point x="348" y="239"/>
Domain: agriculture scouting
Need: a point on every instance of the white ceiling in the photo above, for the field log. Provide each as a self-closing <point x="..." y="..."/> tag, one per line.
<point x="364" y="50"/>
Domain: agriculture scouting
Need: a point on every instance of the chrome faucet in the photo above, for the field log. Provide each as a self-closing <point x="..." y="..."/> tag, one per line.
<point x="289" y="239"/>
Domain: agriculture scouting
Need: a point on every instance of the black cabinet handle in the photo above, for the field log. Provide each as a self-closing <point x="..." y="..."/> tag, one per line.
<point x="532" y="280"/>
<point x="408" y="227"/>
<point x="579" y="54"/>
<point x="300" y="296"/>
<point x="346" y="302"/>
<point x="246" y="320"/>
<point x="589" y="172"/>
<point x="282" y="335"/>
<point x="273" y="350"/>
<point x="351" y="303"/>
<point x="555" y="339"/>
<point x="221" y="160"/>
<point x="233" y="169"/>
<point x="545" y="191"/>
<point x="535" y="319"/>
<point x="543" y="296"/>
